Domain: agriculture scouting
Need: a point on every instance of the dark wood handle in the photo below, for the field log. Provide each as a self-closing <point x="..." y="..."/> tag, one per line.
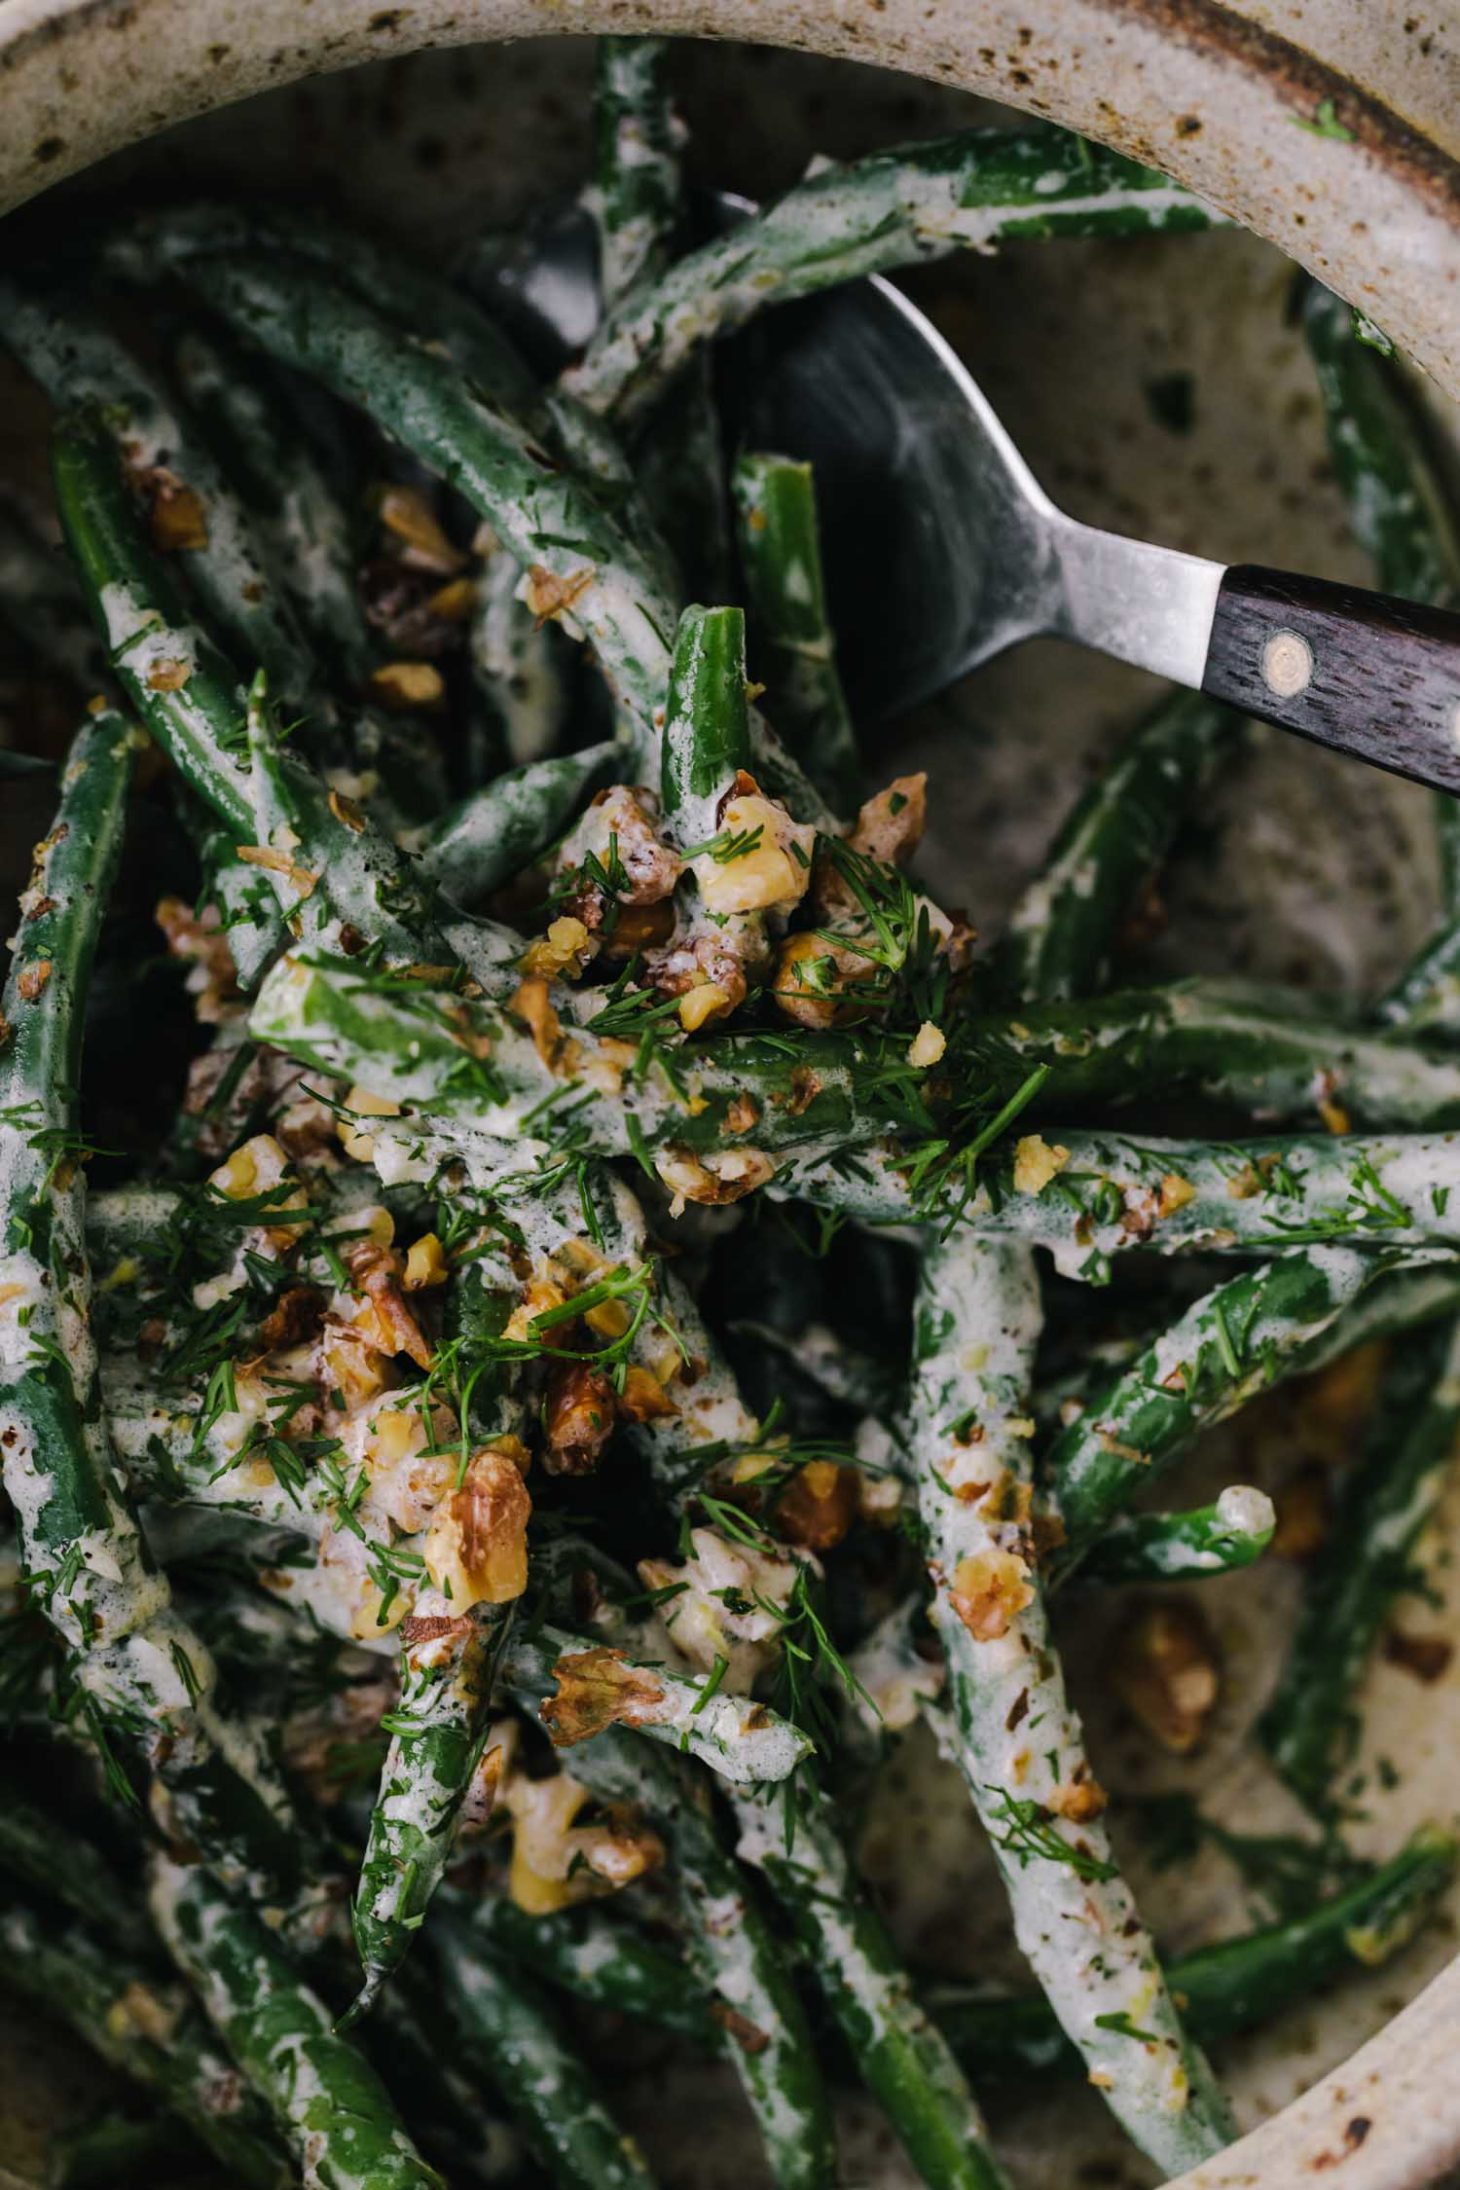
<point x="1359" y="671"/>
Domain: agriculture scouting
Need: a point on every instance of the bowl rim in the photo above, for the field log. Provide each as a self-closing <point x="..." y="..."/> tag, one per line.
<point x="1283" y="141"/>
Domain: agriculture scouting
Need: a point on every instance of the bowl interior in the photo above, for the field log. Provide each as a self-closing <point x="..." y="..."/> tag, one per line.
<point x="1157" y="388"/>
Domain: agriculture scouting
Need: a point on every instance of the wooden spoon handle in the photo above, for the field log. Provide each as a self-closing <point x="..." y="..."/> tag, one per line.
<point x="1359" y="671"/>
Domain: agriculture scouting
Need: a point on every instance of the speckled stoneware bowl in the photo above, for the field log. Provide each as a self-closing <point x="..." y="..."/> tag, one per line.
<point x="1305" y="867"/>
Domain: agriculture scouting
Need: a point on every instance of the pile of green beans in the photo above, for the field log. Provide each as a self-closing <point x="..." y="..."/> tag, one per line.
<point x="421" y="1629"/>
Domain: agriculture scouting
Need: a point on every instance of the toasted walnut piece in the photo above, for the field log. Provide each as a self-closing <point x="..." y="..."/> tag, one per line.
<point x="200" y="940"/>
<point x="425" y="1264"/>
<point x="596" y="1688"/>
<point x="549" y="596"/>
<point x="1427" y="1657"/>
<point x="637" y="930"/>
<point x="169" y="675"/>
<point x="714" y="1179"/>
<point x="176" y="518"/>
<point x="1079" y="1802"/>
<point x="763" y="861"/>
<point x="453" y="602"/>
<point x="140" y="2012"/>
<point x="384" y="1318"/>
<point x="643" y="1398"/>
<point x="1166" y="1671"/>
<point x="818" y="1505"/>
<point x="556" y="1861"/>
<point x="295" y="1317"/>
<point x="545" y="1289"/>
<point x="739" y="2029"/>
<point x="347" y="812"/>
<point x="743" y="1114"/>
<point x="406" y="686"/>
<point x="407" y="513"/>
<point x="562" y="953"/>
<point x="704" y="1003"/>
<point x="533" y="1006"/>
<point x="32" y="981"/>
<point x="362" y="1104"/>
<point x="926" y="1047"/>
<point x="580" y="1408"/>
<point x="816" y="980"/>
<point x="988" y="1591"/>
<point x="891" y="823"/>
<point x="1036" y="1162"/>
<point x="476" y="1547"/>
<point x="608" y="1319"/>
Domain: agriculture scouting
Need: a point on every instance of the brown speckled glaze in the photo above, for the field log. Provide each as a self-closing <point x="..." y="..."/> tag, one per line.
<point x="1309" y="869"/>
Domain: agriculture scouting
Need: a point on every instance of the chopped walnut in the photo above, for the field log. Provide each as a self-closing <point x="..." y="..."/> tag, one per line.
<point x="555" y="1860"/>
<point x="596" y="1689"/>
<point x="476" y="1547"/>
<point x="384" y="1317"/>
<point x="406" y="513"/>
<point x="988" y="1592"/>
<point x="713" y="1179"/>
<point x="533" y="1005"/>
<point x="581" y="1406"/>
<point x="620" y="831"/>
<point x="1166" y="1671"/>
<point x="200" y="941"/>
<point x="731" y="1605"/>
<point x="1036" y="1162"/>
<point x="818" y="1505"/>
<point x="762" y="859"/>
<point x="562" y="953"/>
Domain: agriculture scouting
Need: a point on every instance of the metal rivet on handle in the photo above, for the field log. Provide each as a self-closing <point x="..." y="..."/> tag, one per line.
<point x="1287" y="664"/>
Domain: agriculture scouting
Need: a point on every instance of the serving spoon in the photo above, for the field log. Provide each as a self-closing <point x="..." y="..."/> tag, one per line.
<point x="942" y="549"/>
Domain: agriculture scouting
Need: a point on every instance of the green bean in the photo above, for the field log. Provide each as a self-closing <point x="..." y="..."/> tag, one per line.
<point x="1235" y="1984"/>
<point x="902" y="2055"/>
<point x="1233" y="1343"/>
<point x="1264" y="1049"/>
<point x="327" y="2100"/>
<point x="780" y="555"/>
<point x="1184" y="1547"/>
<point x="1390" y="1492"/>
<point x="892" y="209"/>
<point x="555" y="2102"/>
<point x="730" y="1947"/>
<point x="143" y="1675"/>
<point x="1105" y="1192"/>
<point x="1384" y="462"/>
<point x="706" y="722"/>
<point x="635" y="194"/>
<point x="745" y="1743"/>
<point x="1061" y="932"/>
<point x="604" y="585"/>
<point x="1402" y="513"/>
<point x="595" y="1956"/>
<point x="62" y="1865"/>
<point x="636" y="203"/>
<point x="146" y="2028"/>
<point x="79" y="361"/>
<point x="495" y="832"/>
<point x="338" y="873"/>
<point x="450" y="1057"/>
<point x="977" y="1323"/>
<point x="448" y="1667"/>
